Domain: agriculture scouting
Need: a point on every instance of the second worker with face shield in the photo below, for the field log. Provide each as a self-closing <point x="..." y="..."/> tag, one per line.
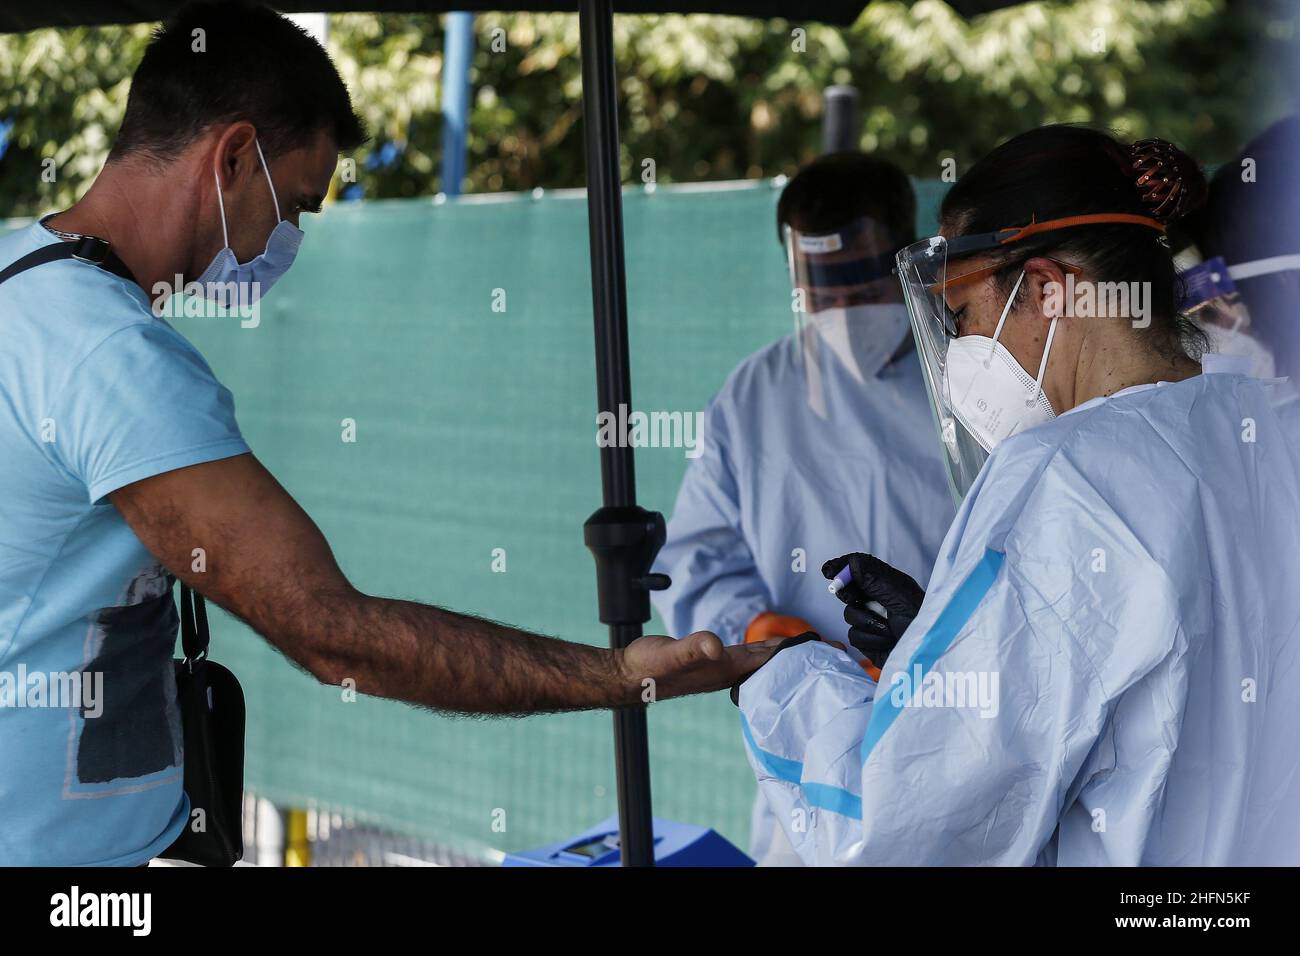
<point x="817" y="442"/>
<point x="1101" y="667"/>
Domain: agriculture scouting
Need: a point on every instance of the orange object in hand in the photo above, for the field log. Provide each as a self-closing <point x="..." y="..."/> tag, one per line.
<point x="770" y="624"/>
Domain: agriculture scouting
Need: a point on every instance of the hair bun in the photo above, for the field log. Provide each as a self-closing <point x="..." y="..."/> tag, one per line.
<point x="1167" y="179"/>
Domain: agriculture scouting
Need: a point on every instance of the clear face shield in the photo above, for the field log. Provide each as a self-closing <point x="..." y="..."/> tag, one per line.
<point x="923" y="273"/>
<point x="1211" y="300"/>
<point x="979" y="391"/>
<point x="844" y="300"/>
<point x="1210" y="296"/>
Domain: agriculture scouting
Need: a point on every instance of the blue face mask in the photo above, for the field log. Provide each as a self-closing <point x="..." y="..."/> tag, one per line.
<point x="253" y="278"/>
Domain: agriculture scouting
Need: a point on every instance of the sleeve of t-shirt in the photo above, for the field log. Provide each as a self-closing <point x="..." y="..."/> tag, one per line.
<point x="141" y="403"/>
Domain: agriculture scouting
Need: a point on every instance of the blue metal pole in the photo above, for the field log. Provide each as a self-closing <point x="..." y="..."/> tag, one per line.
<point x="457" y="51"/>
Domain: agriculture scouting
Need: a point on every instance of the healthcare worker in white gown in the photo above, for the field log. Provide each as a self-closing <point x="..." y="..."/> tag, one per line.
<point x="1105" y="665"/>
<point x="1245" y="290"/>
<point x="818" y="442"/>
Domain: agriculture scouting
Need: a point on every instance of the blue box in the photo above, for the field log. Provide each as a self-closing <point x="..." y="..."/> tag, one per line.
<point x="676" y="844"/>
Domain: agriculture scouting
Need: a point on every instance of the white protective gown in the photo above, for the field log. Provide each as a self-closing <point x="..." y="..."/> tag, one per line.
<point x="780" y="487"/>
<point x="1105" y="670"/>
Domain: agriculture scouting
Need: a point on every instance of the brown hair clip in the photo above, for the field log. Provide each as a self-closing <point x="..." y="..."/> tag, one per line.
<point x="1162" y="179"/>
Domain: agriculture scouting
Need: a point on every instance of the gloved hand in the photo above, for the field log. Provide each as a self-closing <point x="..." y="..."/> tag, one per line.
<point x="874" y="581"/>
<point x="782" y="644"/>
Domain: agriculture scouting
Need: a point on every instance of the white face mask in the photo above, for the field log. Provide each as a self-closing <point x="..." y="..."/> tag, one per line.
<point x="862" y="337"/>
<point x="227" y="278"/>
<point x="989" y="392"/>
<point x="1225" y="341"/>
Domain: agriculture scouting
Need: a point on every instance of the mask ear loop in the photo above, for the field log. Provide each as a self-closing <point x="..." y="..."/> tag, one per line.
<point x="267" y="171"/>
<point x="1002" y="320"/>
<point x="221" y="203"/>
<point x="1042" y="366"/>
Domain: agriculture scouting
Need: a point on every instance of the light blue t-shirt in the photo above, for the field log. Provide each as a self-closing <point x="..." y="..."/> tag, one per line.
<point x="95" y="393"/>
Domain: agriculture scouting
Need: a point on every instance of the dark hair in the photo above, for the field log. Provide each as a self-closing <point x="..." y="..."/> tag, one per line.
<point x="837" y="188"/>
<point x="1058" y="171"/>
<point x="227" y="61"/>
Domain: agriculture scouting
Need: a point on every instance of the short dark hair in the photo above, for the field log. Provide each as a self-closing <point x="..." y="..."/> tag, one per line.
<point x="836" y="188"/>
<point x="247" y="63"/>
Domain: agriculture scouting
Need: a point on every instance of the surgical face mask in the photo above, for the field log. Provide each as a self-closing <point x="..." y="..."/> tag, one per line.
<point x="990" y="393"/>
<point x="254" y="278"/>
<point x="862" y="337"/>
<point x="1229" y="341"/>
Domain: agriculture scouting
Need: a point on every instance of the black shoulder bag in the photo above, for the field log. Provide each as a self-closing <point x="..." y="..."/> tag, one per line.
<point x="212" y="714"/>
<point x="210" y="699"/>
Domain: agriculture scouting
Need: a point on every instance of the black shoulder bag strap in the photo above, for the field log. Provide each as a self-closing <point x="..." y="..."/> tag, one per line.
<point x="212" y="718"/>
<point x="210" y="698"/>
<point x="89" y="249"/>
<point x="194" y="626"/>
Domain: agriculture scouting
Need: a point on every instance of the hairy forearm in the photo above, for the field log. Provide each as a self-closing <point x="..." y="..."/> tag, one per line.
<point x="441" y="659"/>
<point x="264" y="560"/>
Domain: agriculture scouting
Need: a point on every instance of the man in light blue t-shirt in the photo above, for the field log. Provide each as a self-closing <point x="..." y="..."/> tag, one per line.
<point x="98" y="394"/>
<point x="120" y="455"/>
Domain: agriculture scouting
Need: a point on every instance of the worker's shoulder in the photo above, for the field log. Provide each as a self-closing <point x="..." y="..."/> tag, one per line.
<point x="772" y="366"/>
<point x="1148" y="437"/>
<point x="67" y="305"/>
<point x="1287" y="404"/>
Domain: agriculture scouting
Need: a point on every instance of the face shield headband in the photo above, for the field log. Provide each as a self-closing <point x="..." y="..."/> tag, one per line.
<point x="965" y="246"/>
<point x="1213" y="278"/>
<point x="924" y="273"/>
<point x="852" y="273"/>
<point x="840" y="266"/>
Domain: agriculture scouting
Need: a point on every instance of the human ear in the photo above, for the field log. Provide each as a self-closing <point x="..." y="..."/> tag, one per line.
<point x="235" y="155"/>
<point x="1049" y="286"/>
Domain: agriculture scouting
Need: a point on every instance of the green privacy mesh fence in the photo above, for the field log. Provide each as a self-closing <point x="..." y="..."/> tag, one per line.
<point x="475" y="431"/>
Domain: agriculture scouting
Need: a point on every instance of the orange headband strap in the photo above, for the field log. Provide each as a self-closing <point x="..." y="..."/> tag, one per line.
<point x="963" y="246"/>
<point x="1024" y="232"/>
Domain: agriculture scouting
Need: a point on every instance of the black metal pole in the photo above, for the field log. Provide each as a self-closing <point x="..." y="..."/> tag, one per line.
<point x="622" y="537"/>
<point x="841" y="121"/>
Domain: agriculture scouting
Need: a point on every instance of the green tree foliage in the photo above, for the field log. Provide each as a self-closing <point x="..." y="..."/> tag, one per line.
<point x="710" y="97"/>
<point x="64" y="92"/>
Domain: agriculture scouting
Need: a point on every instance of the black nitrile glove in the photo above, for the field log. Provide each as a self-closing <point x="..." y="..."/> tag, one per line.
<point x="789" y="642"/>
<point x="872" y="633"/>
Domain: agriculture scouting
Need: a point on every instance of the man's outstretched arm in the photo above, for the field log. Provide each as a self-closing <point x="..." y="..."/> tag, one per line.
<point x="268" y="564"/>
